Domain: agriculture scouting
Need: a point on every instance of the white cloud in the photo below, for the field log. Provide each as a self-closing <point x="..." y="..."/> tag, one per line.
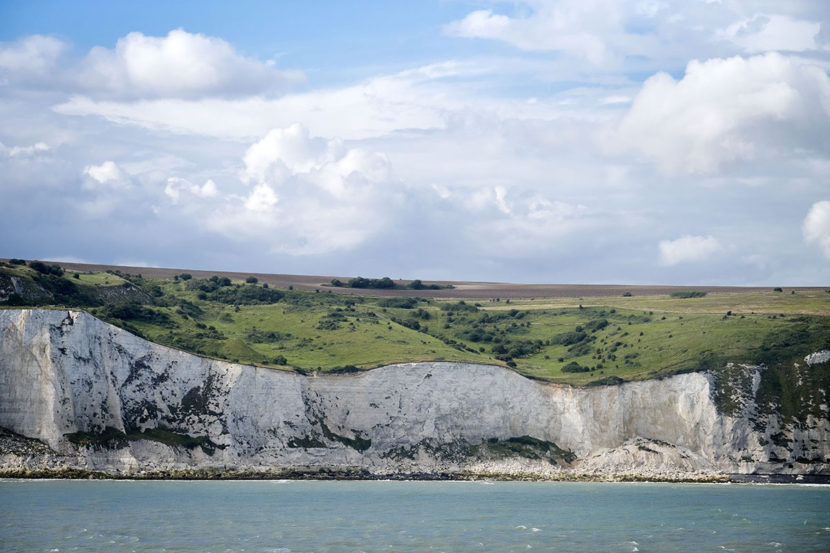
<point x="763" y="33"/>
<point x="688" y="249"/>
<point x="423" y="99"/>
<point x="724" y="110"/>
<point x="308" y="195"/>
<point x="568" y="26"/>
<point x="32" y="56"/>
<point x="177" y="187"/>
<point x="108" y="175"/>
<point x="180" y="65"/>
<point x="509" y="223"/>
<point x="285" y="152"/>
<point x="816" y="227"/>
<point x="381" y="106"/>
<point x="35" y="150"/>
<point x="261" y="199"/>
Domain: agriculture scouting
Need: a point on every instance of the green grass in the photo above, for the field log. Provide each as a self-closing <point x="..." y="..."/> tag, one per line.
<point x="97" y="279"/>
<point x="611" y="337"/>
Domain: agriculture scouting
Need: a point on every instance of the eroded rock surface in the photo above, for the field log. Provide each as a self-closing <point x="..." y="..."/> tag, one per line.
<point x="99" y="398"/>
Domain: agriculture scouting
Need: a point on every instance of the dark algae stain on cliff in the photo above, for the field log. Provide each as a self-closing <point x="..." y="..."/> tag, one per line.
<point x="112" y="438"/>
<point x="526" y="447"/>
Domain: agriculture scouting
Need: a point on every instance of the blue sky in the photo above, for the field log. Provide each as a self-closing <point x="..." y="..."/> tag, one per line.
<point x="595" y="141"/>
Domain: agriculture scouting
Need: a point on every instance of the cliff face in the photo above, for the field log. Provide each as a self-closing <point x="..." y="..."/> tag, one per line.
<point x="104" y="399"/>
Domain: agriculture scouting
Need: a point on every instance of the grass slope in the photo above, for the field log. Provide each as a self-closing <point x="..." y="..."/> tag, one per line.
<point x="569" y="340"/>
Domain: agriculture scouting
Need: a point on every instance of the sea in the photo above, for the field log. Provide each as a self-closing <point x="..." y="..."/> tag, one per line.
<point x="409" y="516"/>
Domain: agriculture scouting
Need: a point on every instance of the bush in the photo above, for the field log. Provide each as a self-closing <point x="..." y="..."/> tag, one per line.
<point x="377" y="283"/>
<point x="190" y="309"/>
<point x="574" y="367"/>
<point x="400" y="303"/>
<point x="45" y="269"/>
<point x="685" y="294"/>
<point x="136" y="312"/>
<point x="17" y="261"/>
<point x="607" y="381"/>
<point x="252" y="280"/>
<point x="245" y="295"/>
<point x="460" y="306"/>
<point x="569" y="338"/>
<point x="65" y="292"/>
<point x="220" y="281"/>
<point x="185" y="276"/>
<point x="417" y="284"/>
<point x="597" y="324"/>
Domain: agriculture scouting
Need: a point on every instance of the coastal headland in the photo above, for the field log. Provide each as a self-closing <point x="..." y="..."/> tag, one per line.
<point x="220" y="378"/>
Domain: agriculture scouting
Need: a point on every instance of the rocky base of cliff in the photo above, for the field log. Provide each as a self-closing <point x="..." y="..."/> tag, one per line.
<point x="82" y="397"/>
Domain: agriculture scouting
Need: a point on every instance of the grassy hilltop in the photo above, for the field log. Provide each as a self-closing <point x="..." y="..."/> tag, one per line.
<point x="576" y="340"/>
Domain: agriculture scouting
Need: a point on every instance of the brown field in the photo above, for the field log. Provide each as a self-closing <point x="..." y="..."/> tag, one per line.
<point x="461" y="290"/>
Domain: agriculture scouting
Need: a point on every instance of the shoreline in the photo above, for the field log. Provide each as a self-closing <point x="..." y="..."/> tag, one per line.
<point x="362" y="475"/>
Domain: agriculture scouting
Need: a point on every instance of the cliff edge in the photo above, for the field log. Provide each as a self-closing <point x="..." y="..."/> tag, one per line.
<point x="78" y="393"/>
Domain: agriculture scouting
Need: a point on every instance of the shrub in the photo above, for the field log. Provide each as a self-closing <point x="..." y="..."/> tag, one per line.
<point x="185" y="276"/>
<point x="252" y="280"/>
<point x="400" y="303"/>
<point x="574" y="367"/>
<point x="378" y="283"/>
<point x="17" y="261"/>
<point x="136" y="312"/>
<point x="569" y="338"/>
<point x="245" y="295"/>
<point x="597" y="324"/>
<point x="417" y="284"/>
<point x="460" y="306"/>
<point x="220" y="281"/>
<point x="685" y="294"/>
<point x="45" y="269"/>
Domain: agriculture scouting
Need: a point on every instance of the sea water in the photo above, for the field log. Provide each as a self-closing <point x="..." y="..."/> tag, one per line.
<point x="343" y="517"/>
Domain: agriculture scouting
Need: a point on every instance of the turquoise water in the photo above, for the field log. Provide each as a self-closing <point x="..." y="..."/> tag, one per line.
<point x="343" y="517"/>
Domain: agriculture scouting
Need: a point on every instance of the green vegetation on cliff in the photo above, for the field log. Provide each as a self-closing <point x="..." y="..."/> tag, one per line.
<point x="572" y="340"/>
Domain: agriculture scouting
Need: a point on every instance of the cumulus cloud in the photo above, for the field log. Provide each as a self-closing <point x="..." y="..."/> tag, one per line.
<point x="816" y="227"/>
<point x="177" y="188"/>
<point x="108" y="175"/>
<point x="179" y="65"/>
<point x="32" y="56"/>
<point x="308" y="195"/>
<point x="688" y="249"/>
<point x="724" y="110"/>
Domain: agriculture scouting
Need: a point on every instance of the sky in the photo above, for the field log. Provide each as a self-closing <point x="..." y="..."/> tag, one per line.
<point x="677" y="142"/>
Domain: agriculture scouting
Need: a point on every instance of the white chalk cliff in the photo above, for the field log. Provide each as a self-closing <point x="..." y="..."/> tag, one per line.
<point x="67" y="378"/>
